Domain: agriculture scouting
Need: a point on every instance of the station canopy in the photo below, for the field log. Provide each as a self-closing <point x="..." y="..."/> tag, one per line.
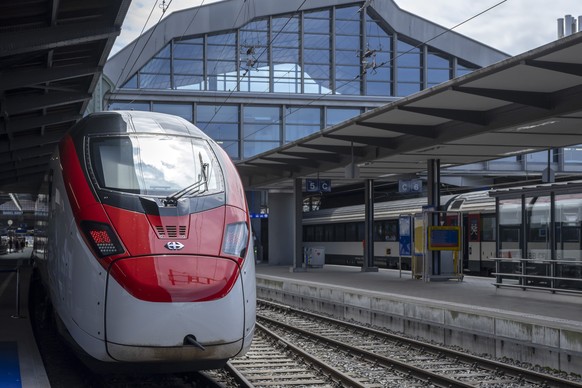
<point x="527" y="103"/>
<point x="52" y="54"/>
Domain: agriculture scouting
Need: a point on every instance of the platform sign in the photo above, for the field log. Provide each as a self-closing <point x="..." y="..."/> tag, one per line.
<point x="410" y="186"/>
<point x="405" y="233"/>
<point x="444" y="238"/>
<point x="318" y="185"/>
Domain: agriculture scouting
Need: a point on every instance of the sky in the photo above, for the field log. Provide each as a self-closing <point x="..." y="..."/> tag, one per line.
<point x="513" y="26"/>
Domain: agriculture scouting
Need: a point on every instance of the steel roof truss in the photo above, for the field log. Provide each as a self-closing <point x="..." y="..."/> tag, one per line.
<point x="568" y="68"/>
<point x="389" y="143"/>
<point x="535" y="99"/>
<point x="468" y="116"/>
<point x="405" y="129"/>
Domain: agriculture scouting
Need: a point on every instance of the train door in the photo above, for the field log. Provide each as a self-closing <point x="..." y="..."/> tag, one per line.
<point x="473" y="242"/>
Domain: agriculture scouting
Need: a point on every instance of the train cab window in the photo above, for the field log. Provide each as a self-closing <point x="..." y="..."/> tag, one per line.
<point x="155" y="165"/>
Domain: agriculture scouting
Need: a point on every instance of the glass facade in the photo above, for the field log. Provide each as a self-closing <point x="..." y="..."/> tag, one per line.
<point x="336" y="51"/>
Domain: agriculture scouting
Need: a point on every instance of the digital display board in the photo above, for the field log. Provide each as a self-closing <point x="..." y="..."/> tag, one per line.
<point x="444" y="238"/>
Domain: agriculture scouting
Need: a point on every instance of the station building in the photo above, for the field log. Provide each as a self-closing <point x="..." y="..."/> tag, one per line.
<point x="257" y="74"/>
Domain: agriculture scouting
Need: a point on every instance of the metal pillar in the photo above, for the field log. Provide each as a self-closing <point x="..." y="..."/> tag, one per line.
<point x="433" y="199"/>
<point x="368" y="265"/>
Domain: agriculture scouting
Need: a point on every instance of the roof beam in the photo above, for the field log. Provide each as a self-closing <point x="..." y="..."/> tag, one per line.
<point x="48" y="38"/>
<point x="321" y="156"/>
<point x="27" y="103"/>
<point x="294" y="161"/>
<point x="468" y="116"/>
<point x="274" y="167"/>
<point x="23" y="78"/>
<point x="343" y="150"/>
<point x="535" y="99"/>
<point x="23" y="124"/>
<point x="368" y="140"/>
<point x="569" y="68"/>
<point x="405" y="129"/>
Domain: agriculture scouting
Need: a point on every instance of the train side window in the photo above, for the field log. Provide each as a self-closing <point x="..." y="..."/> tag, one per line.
<point x="351" y="231"/>
<point x="318" y="232"/>
<point x="487" y="227"/>
<point x="328" y="232"/>
<point x="339" y="232"/>
<point x="309" y="233"/>
<point x="509" y="233"/>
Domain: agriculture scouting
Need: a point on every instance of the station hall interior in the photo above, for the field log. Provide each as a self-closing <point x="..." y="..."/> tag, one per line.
<point x="339" y="92"/>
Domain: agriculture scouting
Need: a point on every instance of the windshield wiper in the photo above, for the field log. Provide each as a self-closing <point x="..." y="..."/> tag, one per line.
<point x="198" y="187"/>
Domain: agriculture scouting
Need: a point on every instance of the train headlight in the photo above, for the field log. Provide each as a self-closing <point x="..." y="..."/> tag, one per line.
<point x="102" y="238"/>
<point x="236" y="239"/>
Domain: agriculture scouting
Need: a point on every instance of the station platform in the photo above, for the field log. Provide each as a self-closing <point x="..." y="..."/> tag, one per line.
<point x="531" y="326"/>
<point x="20" y="361"/>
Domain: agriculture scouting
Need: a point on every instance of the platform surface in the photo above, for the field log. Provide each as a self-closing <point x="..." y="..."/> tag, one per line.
<point x="474" y="293"/>
<point x="20" y="361"/>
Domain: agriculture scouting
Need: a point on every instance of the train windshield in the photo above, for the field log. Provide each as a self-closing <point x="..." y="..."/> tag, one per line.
<point x="155" y="165"/>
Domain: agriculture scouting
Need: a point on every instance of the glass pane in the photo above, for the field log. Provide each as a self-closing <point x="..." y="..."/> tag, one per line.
<point x="572" y="154"/>
<point x="568" y="227"/>
<point x="349" y="42"/>
<point x="338" y="115"/>
<point x="182" y="110"/>
<point x="316" y="41"/>
<point x="288" y="23"/>
<point x="157" y="65"/>
<point x="128" y="105"/>
<point x="252" y="148"/>
<point x="221" y="131"/>
<point x="154" y="81"/>
<point x="411" y="75"/>
<point x="188" y="51"/>
<point x="438" y="61"/>
<point x="221" y="53"/>
<point x="185" y="66"/>
<point x="348" y="13"/>
<point x="221" y="39"/>
<point x="379" y="89"/>
<point x="537" y="228"/>
<point x="316" y="56"/>
<point x="262" y="123"/>
<point x="437" y="76"/>
<point x="510" y="228"/>
<point x="321" y="25"/>
<point x="220" y="113"/>
<point x="231" y="148"/>
<point x="407" y="89"/>
<point x="131" y="83"/>
<point x="189" y="82"/>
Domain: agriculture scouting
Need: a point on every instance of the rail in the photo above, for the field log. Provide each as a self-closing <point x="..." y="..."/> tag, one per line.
<point x="555" y="276"/>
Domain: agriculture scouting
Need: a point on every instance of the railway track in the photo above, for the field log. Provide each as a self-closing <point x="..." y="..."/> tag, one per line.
<point x="342" y="354"/>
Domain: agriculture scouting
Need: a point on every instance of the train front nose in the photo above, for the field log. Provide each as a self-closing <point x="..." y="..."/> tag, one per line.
<point x="165" y="300"/>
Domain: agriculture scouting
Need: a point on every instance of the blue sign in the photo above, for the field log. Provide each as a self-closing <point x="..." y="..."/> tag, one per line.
<point x="405" y="232"/>
<point x="318" y="185"/>
<point x="259" y="215"/>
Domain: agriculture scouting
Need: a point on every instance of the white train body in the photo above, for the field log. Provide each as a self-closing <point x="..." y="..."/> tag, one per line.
<point x="145" y="250"/>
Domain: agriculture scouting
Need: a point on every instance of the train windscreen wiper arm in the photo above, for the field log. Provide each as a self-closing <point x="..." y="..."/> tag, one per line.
<point x="194" y="188"/>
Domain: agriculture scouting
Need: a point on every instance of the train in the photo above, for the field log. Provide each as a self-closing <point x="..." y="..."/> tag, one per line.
<point x="487" y="231"/>
<point x="142" y="245"/>
<point x="340" y="231"/>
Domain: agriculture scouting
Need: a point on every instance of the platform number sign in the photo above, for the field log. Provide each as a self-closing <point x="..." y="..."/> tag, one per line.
<point x="410" y="186"/>
<point x="318" y="185"/>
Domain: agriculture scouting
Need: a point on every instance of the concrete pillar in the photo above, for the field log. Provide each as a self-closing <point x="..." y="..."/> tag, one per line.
<point x="285" y="228"/>
<point x="281" y="226"/>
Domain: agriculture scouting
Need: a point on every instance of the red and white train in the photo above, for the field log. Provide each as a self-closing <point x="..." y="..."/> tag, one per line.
<point x="144" y="246"/>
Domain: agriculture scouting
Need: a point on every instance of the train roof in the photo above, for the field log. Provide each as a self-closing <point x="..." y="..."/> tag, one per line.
<point x="476" y="202"/>
<point x="137" y="122"/>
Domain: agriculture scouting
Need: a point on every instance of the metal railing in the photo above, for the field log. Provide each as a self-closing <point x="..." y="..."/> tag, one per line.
<point x="563" y="276"/>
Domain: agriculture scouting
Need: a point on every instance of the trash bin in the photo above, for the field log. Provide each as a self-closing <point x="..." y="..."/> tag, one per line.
<point x="315" y="257"/>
